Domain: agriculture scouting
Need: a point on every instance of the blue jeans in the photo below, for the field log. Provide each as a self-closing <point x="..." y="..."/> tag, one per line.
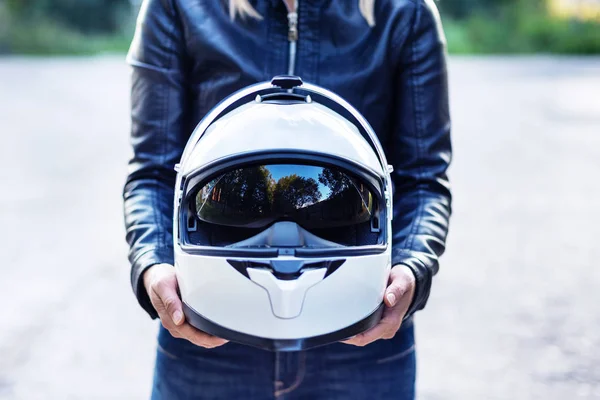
<point x="382" y="370"/>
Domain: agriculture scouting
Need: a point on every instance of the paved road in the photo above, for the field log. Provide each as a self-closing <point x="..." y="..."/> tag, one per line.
<point x="514" y="312"/>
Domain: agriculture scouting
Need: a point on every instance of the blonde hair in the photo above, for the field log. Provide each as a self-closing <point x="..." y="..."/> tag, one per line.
<point x="244" y="9"/>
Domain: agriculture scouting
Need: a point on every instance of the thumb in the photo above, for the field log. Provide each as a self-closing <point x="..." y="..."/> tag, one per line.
<point x="392" y="294"/>
<point x="402" y="280"/>
<point x="166" y="290"/>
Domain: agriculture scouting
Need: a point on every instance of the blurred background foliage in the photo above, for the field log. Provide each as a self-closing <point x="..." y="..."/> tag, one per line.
<point x="65" y="26"/>
<point x="522" y="26"/>
<point x="472" y="26"/>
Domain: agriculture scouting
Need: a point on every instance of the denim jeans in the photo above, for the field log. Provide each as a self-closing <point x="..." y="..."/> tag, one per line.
<point x="382" y="370"/>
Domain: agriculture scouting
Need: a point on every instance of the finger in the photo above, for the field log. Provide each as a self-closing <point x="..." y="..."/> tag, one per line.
<point x="377" y="332"/>
<point x="198" y="337"/>
<point x="166" y="290"/>
<point x="385" y="329"/>
<point x="363" y="339"/>
<point x="161" y="310"/>
<point x="354" y="341"/>
<point x="394" y="292"/>
<point x="159" y="306"/>
<point x="183" y="330"/>
<point x="400" y="284"/>
<point x="188" y="332"/>
<point x="392" y="319"/>
<point x="349" y="340"/>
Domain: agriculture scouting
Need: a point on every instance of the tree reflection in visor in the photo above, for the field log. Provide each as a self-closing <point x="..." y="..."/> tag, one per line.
<point x="257" y="196"/>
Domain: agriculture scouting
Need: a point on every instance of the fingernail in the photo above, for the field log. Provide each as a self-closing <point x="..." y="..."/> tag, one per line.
<point x="391" y="298"/>
<point x="177" y="317"/>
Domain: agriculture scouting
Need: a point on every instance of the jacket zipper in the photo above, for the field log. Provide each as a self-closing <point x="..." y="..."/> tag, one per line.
<point x="292" y="18"/>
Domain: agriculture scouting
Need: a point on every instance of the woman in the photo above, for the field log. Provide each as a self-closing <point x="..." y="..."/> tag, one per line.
<point x="385" y="57"/>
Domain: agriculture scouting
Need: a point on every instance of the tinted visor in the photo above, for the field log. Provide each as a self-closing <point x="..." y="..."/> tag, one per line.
<point x="257" y="196"/>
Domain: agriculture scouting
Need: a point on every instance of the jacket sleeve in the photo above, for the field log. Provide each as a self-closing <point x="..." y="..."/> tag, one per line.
<point x="420" y="151"/>
<point x="158" y="136"/>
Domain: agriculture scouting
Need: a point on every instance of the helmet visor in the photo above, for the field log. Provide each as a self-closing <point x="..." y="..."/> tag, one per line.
<point x="257" y="196"/>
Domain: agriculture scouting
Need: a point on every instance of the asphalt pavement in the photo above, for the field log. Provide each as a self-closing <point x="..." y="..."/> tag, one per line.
<point x="514" y="310"/>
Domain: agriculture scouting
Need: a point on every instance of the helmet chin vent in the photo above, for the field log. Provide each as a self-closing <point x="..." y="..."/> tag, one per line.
<point x="286" y="270"/>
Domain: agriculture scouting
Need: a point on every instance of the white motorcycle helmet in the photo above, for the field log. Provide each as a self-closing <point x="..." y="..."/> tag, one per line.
<point x="282" y="224"/>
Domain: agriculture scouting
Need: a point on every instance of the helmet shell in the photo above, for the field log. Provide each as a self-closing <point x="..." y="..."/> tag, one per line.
<point x="262" y="127"/>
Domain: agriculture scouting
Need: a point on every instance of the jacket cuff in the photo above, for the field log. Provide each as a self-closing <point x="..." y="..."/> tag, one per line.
<point x="423" y="277"/>
<point x="138" y="267"/>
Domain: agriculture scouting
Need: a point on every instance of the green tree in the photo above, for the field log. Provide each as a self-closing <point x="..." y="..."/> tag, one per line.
<point x="336" y="181"/>
<point x="243" y="194"/>
<point x="85" y="16"/>
<point x="466" y="8"/>
<point x="293" y="192"/>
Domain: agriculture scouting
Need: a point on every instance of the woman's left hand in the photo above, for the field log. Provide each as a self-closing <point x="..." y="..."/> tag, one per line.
<point x="397" y="299"/>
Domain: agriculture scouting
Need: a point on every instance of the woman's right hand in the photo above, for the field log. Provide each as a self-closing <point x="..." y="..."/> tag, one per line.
<point x="161" y="284"/>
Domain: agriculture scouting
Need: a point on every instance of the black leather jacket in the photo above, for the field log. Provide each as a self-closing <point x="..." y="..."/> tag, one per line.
<point x="187" y="55"/>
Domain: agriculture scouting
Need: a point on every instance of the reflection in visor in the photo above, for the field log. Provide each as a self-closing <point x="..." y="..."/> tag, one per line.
<point x="257" y="196"/>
